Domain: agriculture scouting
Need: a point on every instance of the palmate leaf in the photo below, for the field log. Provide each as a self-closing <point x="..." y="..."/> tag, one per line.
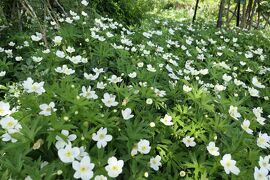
<point x="202" y="99"/>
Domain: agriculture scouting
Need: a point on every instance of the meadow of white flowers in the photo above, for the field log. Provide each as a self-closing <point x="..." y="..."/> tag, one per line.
<point x="170" y="100"/>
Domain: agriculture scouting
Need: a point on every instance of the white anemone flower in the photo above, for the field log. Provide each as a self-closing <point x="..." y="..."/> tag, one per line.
<point x="155" y="162"/>
<point x="102" y="137"/>
<point x="167" y="120"/>
<point x="109" y="100"/>
<point x="212" y="149"/>
<point x="4" y="108"/>
<point x="127" y="114"/>
<point x="189" y="141"/>
<point x="144" y="146"/>
<point x="83" y="169"/>
<point x="114" y="167"/>
<point x="68" y="154"/>
<point x="229" y="164"/>
<point x="47" y="109"/>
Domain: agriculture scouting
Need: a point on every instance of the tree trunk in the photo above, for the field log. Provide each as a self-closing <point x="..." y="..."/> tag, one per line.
<point x="228" y="13"/>
<point x="238" y="13"/>
<point x="220" y="13"/>
<point x="195" y="11"/>
<point x="244" y="17"/>
<point x="250" y="21"/>
<point x="248" y="12"/>
<point x="259" y="16"/>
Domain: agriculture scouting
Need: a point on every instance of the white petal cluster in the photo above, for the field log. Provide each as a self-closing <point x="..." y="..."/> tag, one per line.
<point x="102" y="137"/>
<point x="33" y="87"/>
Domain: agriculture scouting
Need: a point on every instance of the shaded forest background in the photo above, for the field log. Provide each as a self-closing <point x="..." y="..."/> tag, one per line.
<point x="19" y="14"/>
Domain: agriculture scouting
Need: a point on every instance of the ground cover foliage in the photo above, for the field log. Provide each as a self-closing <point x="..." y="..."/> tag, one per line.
<point x="169" y="100"/>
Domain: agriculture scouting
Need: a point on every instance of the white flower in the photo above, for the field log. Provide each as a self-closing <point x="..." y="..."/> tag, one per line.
<point x="260" y="174"/>
<point x="132" y="75"/>
<point x="69" y="20"/>
<point x="75" y="59"/>
<point x="253" y="92"/>
<point x="84" y="168"/>
<point x="189" y="141"/>
<point x="212" y="149"/>
<point x="219" y="88"/>
<point x="258" y="113"/>
<point x="155" y="162"/>
<point x="186" y="88"/>
<point x="114" y="79"/>
<point x="36" y="37"/>
<point x="18" y="58"/>
<point x="28" y="178"/>
<point x="229" y="164"/>
<point x="226" y="77"/>
<point x="140" y="64"/>
<point x="70" y="49"/>
<point x="100" y="177"/>
<point x="90" y="76"/>
<point x="62" y="143"/>
<point x="248" y="54"/>
<point x="47" y="109"/>
<point x="256" y="83"/>
<point x="98" y="70"/>
<point x="2" y="73"/>
<point x="127" y="114"/>
<point x="65" y="70"/>
<point x="264" y="162"/>
<point x="167" y="120"/>
<point x="144" y="146"/>
<point x="150" y="68"/>
<point x="7" y="137"/>
<point x="29" y="86"/>
<point x="114" y="167"/>
<point x="10" y="124"/>
<point x="82" y="154"/>
<point x="101" y="137"/>
<point x="60" y="54"/>
<point x="109" y="100"/>
<point x="4" y="108"/>
<point x="84" y="2"/>
<point x="68" y="154"/>
<point x="160" y="93"/>
<point x="88" y="94"/>
<point x="149" y="101"/>
<point x="263" y="141"/>
<point x="46" y="51"/>
<point x="245" y="125"/>
<point x="101" y="85"/>
<point x="233" y="111"/>
<point x="57" y="40"/>
<point x="261" y="120"/>
<point x="37" y="59"/>
<point x="134" y="150"/>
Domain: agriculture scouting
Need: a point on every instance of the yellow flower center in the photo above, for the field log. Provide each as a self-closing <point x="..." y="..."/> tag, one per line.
<point x="34" y="87"/>
<point x="83" y="169"/>
<point x="68" y="154"/>
<point x="228" y="164"/>
<point x="2" y="110"/>
<point x="101" y="136"/>
<point x="10" y="124"/>
<point x="110" y="101"/>
<point x="48" y="109"/>
<point x="114" y="168"/>
<point x="144" y="148"/>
